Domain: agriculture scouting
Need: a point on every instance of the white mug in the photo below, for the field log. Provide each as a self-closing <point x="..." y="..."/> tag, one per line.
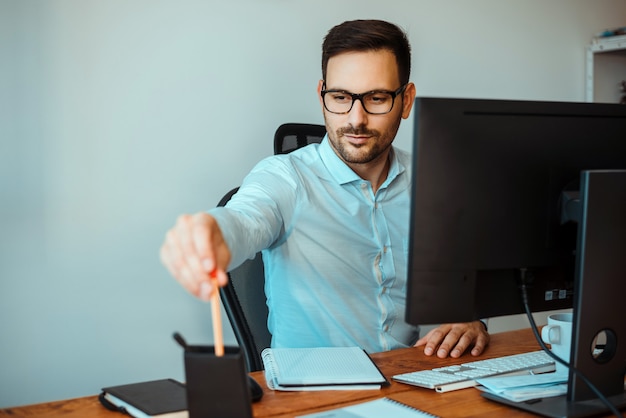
<point x="558" y="333"/>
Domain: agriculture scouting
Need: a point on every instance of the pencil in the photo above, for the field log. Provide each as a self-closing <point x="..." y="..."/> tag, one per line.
<point x="218" y="336"/>
<point x="217" y="324"/>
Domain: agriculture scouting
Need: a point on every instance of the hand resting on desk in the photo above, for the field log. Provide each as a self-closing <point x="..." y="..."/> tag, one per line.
<point x="454" y="339"/>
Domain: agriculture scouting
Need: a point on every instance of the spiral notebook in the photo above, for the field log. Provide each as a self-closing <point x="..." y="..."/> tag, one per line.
<point x="320" y="368"/>
<point x="383" y="407"/>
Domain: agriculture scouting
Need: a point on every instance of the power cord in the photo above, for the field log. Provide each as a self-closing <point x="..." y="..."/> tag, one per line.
<point x="543" y="346"/>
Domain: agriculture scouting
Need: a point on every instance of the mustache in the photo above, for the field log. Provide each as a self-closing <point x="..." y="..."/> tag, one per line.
<point x="359" y="130"/>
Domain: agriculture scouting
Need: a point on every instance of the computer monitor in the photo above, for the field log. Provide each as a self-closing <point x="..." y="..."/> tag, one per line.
<point x="496" y="198"/>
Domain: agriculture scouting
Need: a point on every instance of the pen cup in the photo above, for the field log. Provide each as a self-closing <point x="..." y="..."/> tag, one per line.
<point x="216" y="386"/>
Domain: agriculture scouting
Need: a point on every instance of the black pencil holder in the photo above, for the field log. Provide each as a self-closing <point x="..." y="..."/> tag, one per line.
<point x="216" y="386"/>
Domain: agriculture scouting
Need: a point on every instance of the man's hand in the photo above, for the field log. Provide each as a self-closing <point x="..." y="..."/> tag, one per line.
<point x="196" y="255"/>
<point x="454" y="339"/>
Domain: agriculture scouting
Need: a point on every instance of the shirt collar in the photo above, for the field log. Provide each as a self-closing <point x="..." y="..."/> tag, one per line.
<point x="344" y="174"/>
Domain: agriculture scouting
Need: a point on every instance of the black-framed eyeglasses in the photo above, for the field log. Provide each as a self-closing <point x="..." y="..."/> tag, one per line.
<point x="376" y="102"/>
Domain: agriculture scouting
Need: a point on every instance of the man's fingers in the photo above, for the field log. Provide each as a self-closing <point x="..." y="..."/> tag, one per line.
<point x="172" y="256"/>
<point x="446" y="345"/>
<point x="189" y="253"/>
<point x="454" y="339"/>
<point x="212" y="251"/>
<point x="433" y="339"/>
<point x="207" y="287"/>
<point x="182" y="247"/>
<point x="186" y="228"/>
<point x="221" y="278"/>
<point x="195" y="253"/>
<point x="461" y="346"/>
<point x="202" y="240"/>
<point x="481" y="343"/>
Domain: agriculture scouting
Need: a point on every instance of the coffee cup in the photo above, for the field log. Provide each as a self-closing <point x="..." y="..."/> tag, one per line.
<point x="558" y="333"/>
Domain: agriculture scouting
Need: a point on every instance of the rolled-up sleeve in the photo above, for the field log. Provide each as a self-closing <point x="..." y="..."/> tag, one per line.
<point x="254" y="218"/>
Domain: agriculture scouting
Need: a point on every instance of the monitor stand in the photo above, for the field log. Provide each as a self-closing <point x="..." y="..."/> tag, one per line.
<point x="599" y="328"/>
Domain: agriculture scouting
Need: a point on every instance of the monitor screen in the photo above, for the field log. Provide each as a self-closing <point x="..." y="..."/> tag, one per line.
<point x="494" y="192"/>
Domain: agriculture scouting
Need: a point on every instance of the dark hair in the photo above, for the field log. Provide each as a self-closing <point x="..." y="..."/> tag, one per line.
<point x="368" y="35"/>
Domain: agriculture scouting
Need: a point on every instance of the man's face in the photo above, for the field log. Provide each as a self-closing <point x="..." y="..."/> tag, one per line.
<point x="357" y="136"/>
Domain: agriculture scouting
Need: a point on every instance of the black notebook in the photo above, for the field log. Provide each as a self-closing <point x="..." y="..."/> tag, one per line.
<point x="165" y="398"/>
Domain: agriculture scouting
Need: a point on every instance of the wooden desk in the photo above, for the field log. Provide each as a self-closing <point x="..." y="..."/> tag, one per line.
<point x="461" y="403"/>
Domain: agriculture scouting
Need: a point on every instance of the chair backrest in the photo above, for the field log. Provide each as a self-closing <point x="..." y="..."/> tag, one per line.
<point x="291" y="136"/>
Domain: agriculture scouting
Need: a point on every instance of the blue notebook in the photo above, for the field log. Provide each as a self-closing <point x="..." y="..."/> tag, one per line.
<point x="320" y="368"/>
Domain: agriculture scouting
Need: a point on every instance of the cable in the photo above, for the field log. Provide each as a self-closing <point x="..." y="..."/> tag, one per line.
<point x="543" y="346"/>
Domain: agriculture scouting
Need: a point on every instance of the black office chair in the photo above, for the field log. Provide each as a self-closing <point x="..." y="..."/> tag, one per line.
<point x="291" y="136"/>
<point x="244" y="297"/>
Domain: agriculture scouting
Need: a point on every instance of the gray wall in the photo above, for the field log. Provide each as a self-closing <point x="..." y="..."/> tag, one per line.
<point x="118" y="115"/>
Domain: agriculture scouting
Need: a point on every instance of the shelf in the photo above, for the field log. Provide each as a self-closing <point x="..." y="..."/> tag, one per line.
<point x="612" y="43"/>
<point x="605" y="69"/>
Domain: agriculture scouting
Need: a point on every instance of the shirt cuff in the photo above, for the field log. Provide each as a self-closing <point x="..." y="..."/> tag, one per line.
<point x="484" y="322"/>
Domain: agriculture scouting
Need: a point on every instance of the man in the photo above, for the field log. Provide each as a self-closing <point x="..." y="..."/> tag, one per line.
<point x="332" y="219"/>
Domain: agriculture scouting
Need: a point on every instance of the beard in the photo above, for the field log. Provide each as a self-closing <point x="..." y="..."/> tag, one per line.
<point x="377" y="145"/>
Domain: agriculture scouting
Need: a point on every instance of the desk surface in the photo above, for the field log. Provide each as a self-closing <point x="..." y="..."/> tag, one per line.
<point x="460" y="403"/>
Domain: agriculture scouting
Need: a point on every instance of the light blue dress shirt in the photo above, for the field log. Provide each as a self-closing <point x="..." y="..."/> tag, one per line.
<point x="335" y="253"/>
